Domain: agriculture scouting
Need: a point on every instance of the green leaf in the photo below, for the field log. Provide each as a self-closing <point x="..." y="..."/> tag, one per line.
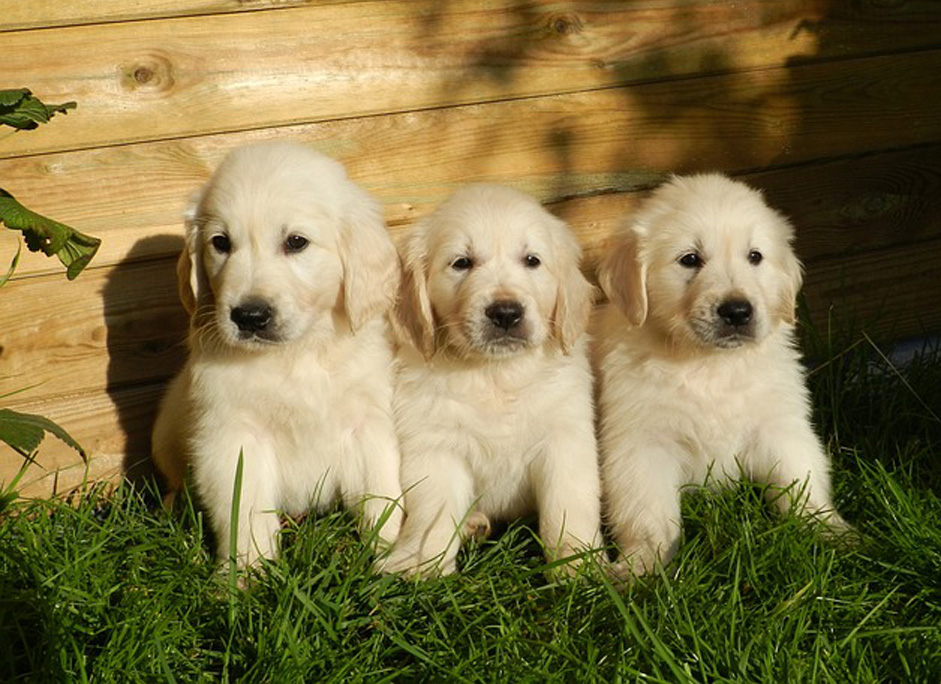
<point x="73" y="248"/>
<point x="25" y="431"/>
<point x="9" y="98"/>
<point x="21" y="110"/>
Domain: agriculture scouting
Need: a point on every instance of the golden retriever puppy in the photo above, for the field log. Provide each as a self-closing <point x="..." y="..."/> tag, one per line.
<point x="697" y="368"/>
<point x="493" y="398"/>
<point x="288" y="274"/>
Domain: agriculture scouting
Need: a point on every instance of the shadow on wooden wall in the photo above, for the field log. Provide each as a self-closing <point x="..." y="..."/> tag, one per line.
<point x="144" y="344"/>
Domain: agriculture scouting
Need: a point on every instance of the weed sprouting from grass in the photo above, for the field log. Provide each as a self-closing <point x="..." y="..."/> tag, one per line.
<point x="110" y="587"/>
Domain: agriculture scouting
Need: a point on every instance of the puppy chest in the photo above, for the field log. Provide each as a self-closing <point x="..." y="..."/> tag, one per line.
<point x="290" y="411"/>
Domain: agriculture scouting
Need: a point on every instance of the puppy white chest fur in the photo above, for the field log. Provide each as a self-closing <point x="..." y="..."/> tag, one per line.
<point x="708" y="410"/>
<point x="308" y="434"/>
<point x="497" y="419"/>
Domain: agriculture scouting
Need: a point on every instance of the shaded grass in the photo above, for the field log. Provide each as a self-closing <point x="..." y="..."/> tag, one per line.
<point x="110" y="588"/>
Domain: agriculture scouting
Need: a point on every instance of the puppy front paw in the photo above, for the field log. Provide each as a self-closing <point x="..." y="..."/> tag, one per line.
<point x="410" y="564"/>
<point x="477" y="526"/>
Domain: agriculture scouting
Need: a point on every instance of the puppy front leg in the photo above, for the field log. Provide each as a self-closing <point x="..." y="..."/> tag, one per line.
<point x="214" y="470"/>
<point x="790" y="454"/>
<point x="373" y="487"/>
<point x="437" y="499"/>
<point x="568" y="494"/>
<point x="168" y="441"/>
<point x="641" y="485"/>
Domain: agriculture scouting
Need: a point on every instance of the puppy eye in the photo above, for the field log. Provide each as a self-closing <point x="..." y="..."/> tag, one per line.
<point x="691" y="260"/>
<point x="295" y="243"/>
<point x="221" y="243"/>
<point x="755" y="257"/>
<point x="462" y="264"/>
<point x="532" y="261"/>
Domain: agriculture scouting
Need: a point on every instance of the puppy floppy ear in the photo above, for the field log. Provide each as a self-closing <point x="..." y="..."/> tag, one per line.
<point x="791" y="280"/>
<point x="622" y="275"/>
<point x="575" y="295"/>
<point x="413" y="319"/>
<point x="370" y="264"/>
<point x="192" y="283"/>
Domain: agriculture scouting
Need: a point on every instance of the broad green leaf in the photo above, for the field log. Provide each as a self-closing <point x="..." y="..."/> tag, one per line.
<point x="21" y="110"/>
<point x="73" y="248"/>
<point x="8" y="98"/>
<point x="25" y="431"/>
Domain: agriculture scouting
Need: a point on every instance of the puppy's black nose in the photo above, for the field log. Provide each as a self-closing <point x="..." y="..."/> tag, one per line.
<point x="252" y="316"/>
<point x="735" y="312"/>
<point x="505" y="314"/>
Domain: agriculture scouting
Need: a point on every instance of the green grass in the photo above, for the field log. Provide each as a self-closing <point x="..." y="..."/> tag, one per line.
<point x="111" y="588"/>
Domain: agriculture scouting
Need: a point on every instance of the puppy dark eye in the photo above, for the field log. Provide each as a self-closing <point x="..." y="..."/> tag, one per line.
<point x="462" y="264"/>
<point x="755" y="257"/>
<point x="221" y="243"/>
<point x="295" y="243"/>
<point x="532" y="261"/>
<point x="691" y="260"/>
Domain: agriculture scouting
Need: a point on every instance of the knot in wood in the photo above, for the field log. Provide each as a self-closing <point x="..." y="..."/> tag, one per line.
<point x="152" y="73"/>
<point x="143" y="75"/>
<point x="565" y="24"/>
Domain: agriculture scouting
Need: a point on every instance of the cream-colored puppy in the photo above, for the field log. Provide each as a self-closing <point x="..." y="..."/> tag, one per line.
<point x="493" y="399"/>
<point x="288" y="273"/>
<point x="697" y="367"/>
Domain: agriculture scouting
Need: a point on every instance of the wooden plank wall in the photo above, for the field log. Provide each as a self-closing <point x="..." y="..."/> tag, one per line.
<point x="831" y="106"/>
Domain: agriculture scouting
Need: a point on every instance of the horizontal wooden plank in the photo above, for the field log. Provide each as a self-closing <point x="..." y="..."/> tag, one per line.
<point x="863" y="16"/>
<point x="859" y="205"/>
<point x="114" y="428"/>
<point x="109" y="329"/>
<point x="51" y="13"/>
<point x="611" y="140"/>
<point x="894" y="293"/>
<point x="213" y="73"/>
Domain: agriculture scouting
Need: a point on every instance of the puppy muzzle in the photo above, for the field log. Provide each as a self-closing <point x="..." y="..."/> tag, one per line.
<point x="505" y="328"/>
<point x="734" y="323"/>
<point x="255" y="321"/>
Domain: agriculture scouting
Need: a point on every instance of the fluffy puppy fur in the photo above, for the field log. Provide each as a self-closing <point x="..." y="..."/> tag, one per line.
<point x="493" y="401"/>
<point x="287" y="273"/>
<point x="697" y="368"/>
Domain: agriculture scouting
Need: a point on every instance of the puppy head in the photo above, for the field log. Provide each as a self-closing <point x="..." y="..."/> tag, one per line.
<point x="705" y="261"/>
<point x="281" y="245"/>
<point x="491" y="273"/>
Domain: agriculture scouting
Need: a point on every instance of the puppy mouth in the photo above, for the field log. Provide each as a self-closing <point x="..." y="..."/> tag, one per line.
<point x="501" y="342"/>
<point x="261" y="338"/>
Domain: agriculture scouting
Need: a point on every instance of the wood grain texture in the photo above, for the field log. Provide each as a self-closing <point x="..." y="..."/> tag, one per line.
<point x="53" y="13"/>
<point x="109" y="329"/>
<point x="570" y="145"/>
<point x="860" y="205"/>
<point x="113" y="427"/>
<point x="865" y="16"/>
<point x="892" y="293"/>
<point x="146" y="80"/>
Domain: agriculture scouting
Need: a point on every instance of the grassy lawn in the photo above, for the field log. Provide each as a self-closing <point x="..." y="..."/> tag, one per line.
<point x="111" y="588"/>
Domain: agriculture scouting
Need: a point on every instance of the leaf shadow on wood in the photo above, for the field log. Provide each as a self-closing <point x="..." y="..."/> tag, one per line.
<point x="146" y="344"/>
<point x="681" y="101"/>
